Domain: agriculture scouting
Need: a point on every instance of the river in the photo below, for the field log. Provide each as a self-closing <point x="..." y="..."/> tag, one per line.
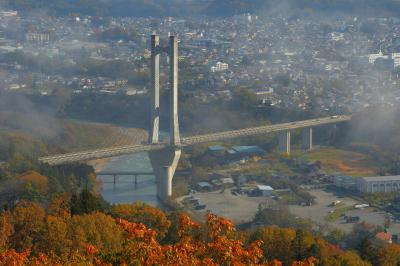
<point x="125" y="190"/>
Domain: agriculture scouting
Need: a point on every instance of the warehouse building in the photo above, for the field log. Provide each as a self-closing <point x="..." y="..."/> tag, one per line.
<point x="379" y="184"/>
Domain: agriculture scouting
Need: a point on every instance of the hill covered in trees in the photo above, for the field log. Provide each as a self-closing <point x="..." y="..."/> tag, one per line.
<point x="75" y="230"/>
<point x="181" y="8"/>
<point x="204" y="7"/>
<point x="287" y="7"/>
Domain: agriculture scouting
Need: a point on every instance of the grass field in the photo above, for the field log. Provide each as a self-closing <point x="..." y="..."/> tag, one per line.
<point x="344" y="161"/>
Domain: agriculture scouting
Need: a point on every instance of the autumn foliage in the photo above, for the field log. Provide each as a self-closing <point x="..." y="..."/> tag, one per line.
<point x="137" y="234"/>
<point x="30" y="237"/>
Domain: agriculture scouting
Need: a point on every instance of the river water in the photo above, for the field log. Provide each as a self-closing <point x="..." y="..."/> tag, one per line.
<point x="125" y="190"/>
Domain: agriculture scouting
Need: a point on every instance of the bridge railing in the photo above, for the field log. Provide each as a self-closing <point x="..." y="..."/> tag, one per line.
<point x="263" y="129"/>
<point x="118" y="151"/>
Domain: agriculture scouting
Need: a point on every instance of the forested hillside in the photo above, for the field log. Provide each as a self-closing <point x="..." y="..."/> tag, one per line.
<point x="141" y="8"/>
<point x="77" y="231"/>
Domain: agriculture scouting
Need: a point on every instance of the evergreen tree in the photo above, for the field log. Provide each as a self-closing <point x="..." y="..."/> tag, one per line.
<point x="367" y="250"/>
<point x="299" y="246"/>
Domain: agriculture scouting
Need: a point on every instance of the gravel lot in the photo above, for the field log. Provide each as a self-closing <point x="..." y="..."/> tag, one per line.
<point x="242" y="209"/>
<point x="239" y="208"/>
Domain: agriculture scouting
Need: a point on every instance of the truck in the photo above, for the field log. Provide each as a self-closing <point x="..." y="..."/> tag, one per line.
<point x="361" y="206"/>
<point x="334" y="203"/>
<point x="352" y="219"/>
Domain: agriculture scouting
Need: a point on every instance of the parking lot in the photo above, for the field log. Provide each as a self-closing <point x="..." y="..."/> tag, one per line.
<point x="322" y="210"/>
<point x="242" y="208"/>
<point x="238" y="208"/>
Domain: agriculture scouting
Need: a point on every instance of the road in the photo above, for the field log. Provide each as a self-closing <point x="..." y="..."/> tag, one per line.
<point x="123" y="150"/>
<point x="264" y="129"/>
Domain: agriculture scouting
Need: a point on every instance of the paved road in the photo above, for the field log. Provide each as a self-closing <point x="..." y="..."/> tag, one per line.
<point x="118" y="151"/>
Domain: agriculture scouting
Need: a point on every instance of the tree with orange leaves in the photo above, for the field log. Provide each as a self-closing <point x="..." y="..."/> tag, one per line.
<point x="60" y="206"/>
<point x="6" y="228"/>
<point x="140" y="212"/>
<point x="28" y="220"/>
<point x="214" y="247"/>
<point x="389" y="255"/>
<point x="11" y="257"/>
<point x="212" y="244"/>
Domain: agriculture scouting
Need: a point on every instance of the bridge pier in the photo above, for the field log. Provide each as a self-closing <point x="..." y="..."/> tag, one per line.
<point x="284" y="142"/>
<point x="307" y="139"/>
<point x="164" y="163"/>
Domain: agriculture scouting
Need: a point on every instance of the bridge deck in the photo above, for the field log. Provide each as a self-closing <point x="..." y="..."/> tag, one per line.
<point x="264" y="129"/>
<point x="118" y="151"/>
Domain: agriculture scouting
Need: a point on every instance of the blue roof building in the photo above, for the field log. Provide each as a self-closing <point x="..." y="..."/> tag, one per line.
<point x="249" y="150"/>
<point x="216" y="148"/>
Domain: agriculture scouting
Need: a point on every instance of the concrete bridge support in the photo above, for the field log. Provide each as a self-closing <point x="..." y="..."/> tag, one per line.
<point x="164" y="164"/>
<point x="155" y="92"/>
<point x="164" y="161"/>
<point x="175" y="138"/>
<point x="284" y="142"/>
<point x="307" y="139"/>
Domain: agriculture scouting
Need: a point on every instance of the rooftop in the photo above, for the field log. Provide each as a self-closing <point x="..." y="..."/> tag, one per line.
<point x="248" y="149"/>
<point x="216" y="148"/>
<point x="381" y="178"/>
<point x="204" y="184"/>
<point x="264" y="187"/>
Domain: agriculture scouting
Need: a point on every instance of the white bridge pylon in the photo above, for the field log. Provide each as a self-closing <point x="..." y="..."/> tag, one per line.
<point x="164" y="161"/>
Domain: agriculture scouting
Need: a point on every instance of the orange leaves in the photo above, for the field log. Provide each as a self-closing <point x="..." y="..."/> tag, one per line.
<point x="214" y="243"/>
<point x="186" y="225"/>
<point x="136" y="230"/>
<point x="218" y="249"/>
<point x="13" y="258"/>
<point x="308" y="262"/>
<point x="6" y="228"/>
<point x="216" y="225"/>
<point x="91" y="250"/>
<point x="142" y="213"/>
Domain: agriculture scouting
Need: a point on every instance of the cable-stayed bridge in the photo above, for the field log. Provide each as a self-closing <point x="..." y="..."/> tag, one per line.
<point x="164" y="156"/>
<point x="187" y="141"/>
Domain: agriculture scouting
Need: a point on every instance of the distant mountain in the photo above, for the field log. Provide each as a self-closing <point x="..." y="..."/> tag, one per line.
<point x="233" y="7"/>
<point x="356" y="7"/>
<point x="88" y="7"/>
<point x="185" y="8"/>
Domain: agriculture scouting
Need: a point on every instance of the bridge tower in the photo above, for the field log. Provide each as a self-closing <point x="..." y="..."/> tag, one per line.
<point x="165" y="161"/>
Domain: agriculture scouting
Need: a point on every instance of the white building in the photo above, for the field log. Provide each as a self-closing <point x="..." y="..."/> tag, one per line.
<point x="337" y="36"/>
<point x="373" y="57"/>
<point x="396" y="59"/>
<point x="379" y="184"/>
<point x="219" y="66"/>
<point x="37" y="37"/>
<point x="8" y="13"/>
<point x="263" y="190"/>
